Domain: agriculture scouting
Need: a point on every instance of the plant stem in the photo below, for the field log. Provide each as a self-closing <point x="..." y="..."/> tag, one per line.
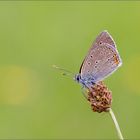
<point x="116" y="124"/>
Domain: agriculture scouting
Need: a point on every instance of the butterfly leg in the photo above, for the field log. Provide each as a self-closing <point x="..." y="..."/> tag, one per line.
<point x="84" y="92"/>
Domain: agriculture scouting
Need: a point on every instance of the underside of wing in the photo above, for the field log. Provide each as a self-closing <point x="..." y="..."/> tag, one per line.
<point x="103" y="37"/>
<point x="102" y="59"/>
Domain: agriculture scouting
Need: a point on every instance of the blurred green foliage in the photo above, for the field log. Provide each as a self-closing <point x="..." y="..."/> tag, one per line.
<point x="36" y="101"/>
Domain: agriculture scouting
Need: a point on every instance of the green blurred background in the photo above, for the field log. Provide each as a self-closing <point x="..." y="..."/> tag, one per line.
<point x="36" y="101"/>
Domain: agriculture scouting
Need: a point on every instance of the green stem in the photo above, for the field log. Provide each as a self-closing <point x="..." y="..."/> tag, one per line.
<point x="116" y="124"/>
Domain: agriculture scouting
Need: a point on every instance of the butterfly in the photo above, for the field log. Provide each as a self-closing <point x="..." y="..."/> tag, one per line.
<point x="101" y="61"/>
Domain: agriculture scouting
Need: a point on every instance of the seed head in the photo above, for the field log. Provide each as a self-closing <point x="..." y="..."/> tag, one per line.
<point x="100" y="97"/>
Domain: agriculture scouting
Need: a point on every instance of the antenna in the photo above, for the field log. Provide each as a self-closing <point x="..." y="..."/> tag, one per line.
<point x="65" y="72"/>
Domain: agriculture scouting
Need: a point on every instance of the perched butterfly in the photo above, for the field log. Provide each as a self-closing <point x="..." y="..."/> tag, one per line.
<point x="101" y="61"/>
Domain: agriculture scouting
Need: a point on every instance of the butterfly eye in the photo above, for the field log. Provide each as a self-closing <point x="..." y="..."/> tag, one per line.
<point x="78" y="77"/>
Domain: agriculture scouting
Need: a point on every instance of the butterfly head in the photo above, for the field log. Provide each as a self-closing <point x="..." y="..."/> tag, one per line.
<point x="86" y="82"/>
<point x="80" y="80"/>
<point x="77" y="77"/>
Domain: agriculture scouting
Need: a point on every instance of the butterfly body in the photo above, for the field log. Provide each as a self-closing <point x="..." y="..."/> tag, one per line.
<point x="101" y="61"/>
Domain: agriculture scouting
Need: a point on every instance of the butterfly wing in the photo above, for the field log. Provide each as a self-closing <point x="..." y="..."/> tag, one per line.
<point x="102" y="59"/>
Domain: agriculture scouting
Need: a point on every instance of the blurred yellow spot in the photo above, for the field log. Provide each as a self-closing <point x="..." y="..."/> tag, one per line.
<point x="17" y="84"/>
<point x="132" y="74"/>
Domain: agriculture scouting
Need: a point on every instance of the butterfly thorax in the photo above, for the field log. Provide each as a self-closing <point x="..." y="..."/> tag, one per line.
<point x="86" y="82"/>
